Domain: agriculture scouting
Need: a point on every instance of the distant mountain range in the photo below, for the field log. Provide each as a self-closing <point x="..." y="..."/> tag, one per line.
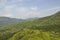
<point x="7" y="20"/>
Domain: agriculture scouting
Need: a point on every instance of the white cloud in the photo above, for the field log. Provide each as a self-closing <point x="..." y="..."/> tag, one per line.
<point x="51" y="11"/>
<point x="18" y="12"/>
<point x="24" y="12"/>
<point x="55" y="8"/>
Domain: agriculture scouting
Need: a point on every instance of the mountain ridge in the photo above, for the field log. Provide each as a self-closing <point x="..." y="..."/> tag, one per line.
<point x="8" y="20"/>
<point x="47" y="28"/>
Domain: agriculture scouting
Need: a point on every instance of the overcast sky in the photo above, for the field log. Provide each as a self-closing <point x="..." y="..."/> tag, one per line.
<point x="28" y="8"/>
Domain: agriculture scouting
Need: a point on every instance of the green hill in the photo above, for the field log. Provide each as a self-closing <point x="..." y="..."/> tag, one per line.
<point x="47" y="28"/>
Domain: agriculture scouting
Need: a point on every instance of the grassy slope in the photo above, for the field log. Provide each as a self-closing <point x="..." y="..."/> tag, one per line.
<point x="47" y="28"/>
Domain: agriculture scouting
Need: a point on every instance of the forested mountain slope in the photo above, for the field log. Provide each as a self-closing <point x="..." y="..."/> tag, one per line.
<point x="47" y="28"/>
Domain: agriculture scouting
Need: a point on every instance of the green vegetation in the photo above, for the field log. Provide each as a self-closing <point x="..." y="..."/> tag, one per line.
<point x="47" y="28"/>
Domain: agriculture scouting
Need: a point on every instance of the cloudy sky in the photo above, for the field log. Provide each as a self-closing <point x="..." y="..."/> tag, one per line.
<point x="28" y="8"/>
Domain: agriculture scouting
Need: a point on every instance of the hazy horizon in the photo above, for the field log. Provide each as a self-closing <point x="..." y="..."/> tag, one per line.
<point x="28" y="8"/>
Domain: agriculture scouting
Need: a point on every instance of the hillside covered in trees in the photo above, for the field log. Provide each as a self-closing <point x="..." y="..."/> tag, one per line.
<point x="47" y="28"/>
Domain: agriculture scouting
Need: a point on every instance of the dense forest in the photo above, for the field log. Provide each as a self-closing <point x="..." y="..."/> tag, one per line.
<point x="46" y="28"/>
